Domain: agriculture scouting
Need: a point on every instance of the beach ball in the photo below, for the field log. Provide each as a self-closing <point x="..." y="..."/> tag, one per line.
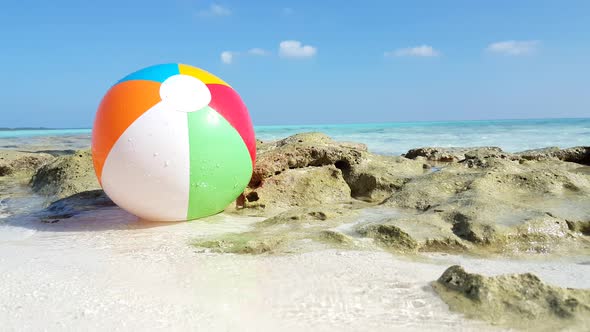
<point x="173" y="142"/>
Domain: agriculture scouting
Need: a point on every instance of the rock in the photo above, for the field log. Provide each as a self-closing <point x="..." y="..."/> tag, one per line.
<point x="243" y="243"/>
<point x="580" y="226"/>
<point x="5" y="169"/>
<point x="376" y="177"/>
<point x="295" y="230"/>
<point x="390" y="236"/>
<point x="517" y="300"/>
<point x="413" y="233"/>
<point x="300" y="151"/>
<point x="538" y="154"/>
<point x="579" y="154"/>
<point x="336" y="237"/>
<point x="76" y="204"/>
<point x="472" y="229"/>
<point x="307" y="138"/>
<point x="66" y="175"/>
<point x="455" y="154"/>
<point x="435" y="154"/>
<point x="432" y="189"/>
<point x="503" y="206"/>
<point x="22" y="163"/>
<point x="299" y="187"/>
<point x="286" y="167"/>
<point x="317" y="213"/>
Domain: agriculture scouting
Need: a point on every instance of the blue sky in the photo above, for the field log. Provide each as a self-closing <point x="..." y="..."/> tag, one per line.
<point x="305" y="62"/>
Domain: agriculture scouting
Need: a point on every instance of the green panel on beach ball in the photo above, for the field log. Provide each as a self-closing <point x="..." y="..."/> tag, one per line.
<point x="220" y="164"/>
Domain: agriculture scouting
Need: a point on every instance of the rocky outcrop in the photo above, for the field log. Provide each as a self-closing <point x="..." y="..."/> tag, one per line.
<point x="300" y="151"/>
<point x="66" y="175"/>
<point x="376" y="177"/>
<point x="579" y="154"/>
<point x="414" y="233"/>
<point x="507" y="204"/>
<point x="299" y="187"/>
<point x="296" y="229"/>
<point x="73" y="205"/>
<point x="454" y="154"/>
<point x="243" y="243"/>
<point x="309" y="214"/>
<point x="311" y="168"/>
<point x="22" y="163"/>
<point x="517" y="300"/>
<point x="452" y="199"/>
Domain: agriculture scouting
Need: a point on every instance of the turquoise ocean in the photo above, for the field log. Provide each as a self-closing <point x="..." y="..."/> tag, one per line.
<point x="388" y="138"/>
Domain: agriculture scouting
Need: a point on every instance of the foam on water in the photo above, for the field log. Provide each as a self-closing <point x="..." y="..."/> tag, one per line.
<point x="398" y="138"/>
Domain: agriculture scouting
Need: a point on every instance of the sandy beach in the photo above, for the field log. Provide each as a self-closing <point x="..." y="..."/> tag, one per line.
<point x="107" y="270"/>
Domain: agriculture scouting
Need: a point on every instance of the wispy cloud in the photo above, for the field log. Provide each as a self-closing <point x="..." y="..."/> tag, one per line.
<point x="418" y="51"/>
<point x="287" y="49"/>
<point x="258" y="51"/>
<point x="215" y="10"/>
<point x="227" y="57"/>
<point x="513" y="47"/>
<point x="295" y="49"/>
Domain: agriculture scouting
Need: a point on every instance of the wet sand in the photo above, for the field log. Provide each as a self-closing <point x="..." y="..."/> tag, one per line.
<point x="107" y="270"/>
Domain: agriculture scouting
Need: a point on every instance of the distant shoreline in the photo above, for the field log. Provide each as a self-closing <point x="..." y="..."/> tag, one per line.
<point x="354" y="124"/>
<point x="39" y="128"/>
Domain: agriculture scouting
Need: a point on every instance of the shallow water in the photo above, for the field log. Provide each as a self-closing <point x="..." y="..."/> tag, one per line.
<point x="385" y="138"/>
<point x="398" y="138"/>
<point x="16" y="197"/>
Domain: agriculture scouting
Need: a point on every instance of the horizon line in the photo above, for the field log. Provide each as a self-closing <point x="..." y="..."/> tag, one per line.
<point x="334" y="124"/>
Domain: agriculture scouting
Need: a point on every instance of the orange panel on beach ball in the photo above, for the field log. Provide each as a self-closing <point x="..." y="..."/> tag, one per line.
<point x="121" y="106"/>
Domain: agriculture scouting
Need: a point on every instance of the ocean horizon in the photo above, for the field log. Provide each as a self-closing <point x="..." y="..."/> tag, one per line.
<point x="351" y="124"/>
<point x="394" y="138"/>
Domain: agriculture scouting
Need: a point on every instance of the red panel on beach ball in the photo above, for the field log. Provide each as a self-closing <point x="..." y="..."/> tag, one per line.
<point x="228" y="103"/>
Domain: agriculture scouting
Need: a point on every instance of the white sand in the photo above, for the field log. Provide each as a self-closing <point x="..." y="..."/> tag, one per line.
<point x="106" y="271"/>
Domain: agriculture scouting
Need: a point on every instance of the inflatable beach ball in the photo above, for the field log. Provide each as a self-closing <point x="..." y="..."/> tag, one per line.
<point x="173" y="142"/>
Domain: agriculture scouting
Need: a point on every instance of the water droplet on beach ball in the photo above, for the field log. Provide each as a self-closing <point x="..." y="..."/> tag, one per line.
<point x="166" y="163"/>
<point x="155" y="154"/>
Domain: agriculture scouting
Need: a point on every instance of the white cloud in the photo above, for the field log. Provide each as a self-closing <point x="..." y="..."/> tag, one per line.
<point x="257" y="51"/>
<point x="215" y="10"/>
<point x="422" y="51"/>
<point x="513" y="47"/>
<point x="227" y="57"/>
<point x="295" y="49"/>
